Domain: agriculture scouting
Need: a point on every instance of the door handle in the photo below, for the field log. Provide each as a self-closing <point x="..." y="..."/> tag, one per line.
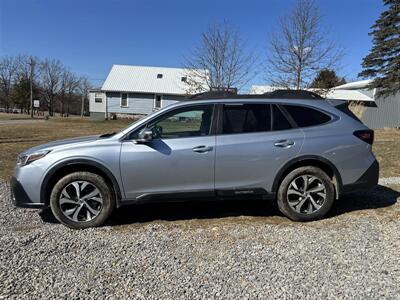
<point x="284" y="143"/>
<point x="202" y="149"/>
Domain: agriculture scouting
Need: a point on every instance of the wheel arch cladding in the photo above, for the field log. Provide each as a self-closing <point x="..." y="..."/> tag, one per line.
<point x="76" y="165"/>
<point x="310" y="160"/>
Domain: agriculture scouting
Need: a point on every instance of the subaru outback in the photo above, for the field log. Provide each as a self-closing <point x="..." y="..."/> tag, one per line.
<point x="302" y="154"/>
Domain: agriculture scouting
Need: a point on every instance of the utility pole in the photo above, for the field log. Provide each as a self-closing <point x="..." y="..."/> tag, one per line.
<point x="32" y="65"/>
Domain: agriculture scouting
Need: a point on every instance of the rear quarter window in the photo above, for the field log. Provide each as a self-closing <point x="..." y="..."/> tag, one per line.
<point x="345" y="109"/>
<point x="306" y="116"/>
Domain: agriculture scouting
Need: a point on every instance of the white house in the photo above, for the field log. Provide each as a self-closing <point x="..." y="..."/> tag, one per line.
<point x="139" y="90"/>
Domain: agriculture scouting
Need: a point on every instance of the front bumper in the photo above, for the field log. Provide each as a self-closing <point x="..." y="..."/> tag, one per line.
<point x="367" y="181"/>
<point x="20" y="198"/>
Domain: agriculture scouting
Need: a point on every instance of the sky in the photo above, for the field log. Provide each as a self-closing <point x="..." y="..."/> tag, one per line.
<point x="89" y="36"/>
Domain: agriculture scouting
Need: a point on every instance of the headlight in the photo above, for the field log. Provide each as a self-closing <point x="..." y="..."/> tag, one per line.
<point x="25" y="159"/>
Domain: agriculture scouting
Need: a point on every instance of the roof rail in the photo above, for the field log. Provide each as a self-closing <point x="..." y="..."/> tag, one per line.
<point x="293" y="94"/>
<point x="277" y="94"/>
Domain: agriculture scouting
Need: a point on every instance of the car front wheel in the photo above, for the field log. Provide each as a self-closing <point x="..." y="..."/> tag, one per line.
<point x="82" y="200"/>
<point x="306" y="194"/>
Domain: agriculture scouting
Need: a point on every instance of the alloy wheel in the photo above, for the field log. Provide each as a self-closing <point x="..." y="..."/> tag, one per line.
<point x="81" y="201"/>
<point x="306" y="194"/>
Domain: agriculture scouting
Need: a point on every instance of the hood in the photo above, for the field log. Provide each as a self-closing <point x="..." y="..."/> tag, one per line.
<point x="55" y="144"/>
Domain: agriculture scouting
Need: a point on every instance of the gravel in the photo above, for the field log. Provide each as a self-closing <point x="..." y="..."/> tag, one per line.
<point x="389" y="180"/>
<point x="241" y="249"/>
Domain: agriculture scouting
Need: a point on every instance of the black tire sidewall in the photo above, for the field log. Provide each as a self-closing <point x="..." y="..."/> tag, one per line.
<point x="96" y="180"/>
<point x="283" y="203"/>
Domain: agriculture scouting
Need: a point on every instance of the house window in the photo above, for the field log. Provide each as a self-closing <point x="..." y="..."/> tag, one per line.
<point x="98" y="97"/>
<point x="157" y="102"/>
<point x="124" y="100"/>
<point x="184" y="79"/>
<point x="159" y="76"/>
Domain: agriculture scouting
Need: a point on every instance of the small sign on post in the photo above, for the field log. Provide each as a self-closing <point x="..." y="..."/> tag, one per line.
<point x="36" y="103"/>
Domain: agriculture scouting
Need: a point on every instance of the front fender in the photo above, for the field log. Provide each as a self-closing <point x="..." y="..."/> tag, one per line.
<point x="71" y="162"/>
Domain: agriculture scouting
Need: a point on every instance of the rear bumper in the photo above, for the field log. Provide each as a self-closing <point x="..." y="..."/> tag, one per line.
<point x="367" y="181"/>
<point x="20" y="198"/>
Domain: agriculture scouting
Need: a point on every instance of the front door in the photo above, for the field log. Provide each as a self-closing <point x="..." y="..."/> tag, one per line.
<point x="179" y="160"/>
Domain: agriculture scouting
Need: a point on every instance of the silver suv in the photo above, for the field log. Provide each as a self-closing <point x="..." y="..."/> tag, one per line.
<point x="303" y="154"/>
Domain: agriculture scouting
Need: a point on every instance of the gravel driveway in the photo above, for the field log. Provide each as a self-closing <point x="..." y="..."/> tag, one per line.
<point x="205" y="250"/>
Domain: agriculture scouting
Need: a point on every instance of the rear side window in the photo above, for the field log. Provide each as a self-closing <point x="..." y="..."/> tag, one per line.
<point x="246" y="118"/>
<point x="345" y="109"/>
<point x="306" y="116"/>
<point x="279" y="120"/>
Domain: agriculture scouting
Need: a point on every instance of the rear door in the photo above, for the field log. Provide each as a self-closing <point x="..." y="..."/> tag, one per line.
<point x="254" y="141"/>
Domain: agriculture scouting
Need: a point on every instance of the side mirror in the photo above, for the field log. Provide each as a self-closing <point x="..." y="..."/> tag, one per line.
<point x="144" y="136"/>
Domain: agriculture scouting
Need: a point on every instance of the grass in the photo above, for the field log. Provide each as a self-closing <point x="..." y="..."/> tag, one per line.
<point x="387" y="150"/>
<point x="16" y="138"/>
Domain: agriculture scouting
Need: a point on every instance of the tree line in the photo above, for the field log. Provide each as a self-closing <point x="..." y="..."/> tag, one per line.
<point x="57" y="87"/>
<point x="300" y="54"/>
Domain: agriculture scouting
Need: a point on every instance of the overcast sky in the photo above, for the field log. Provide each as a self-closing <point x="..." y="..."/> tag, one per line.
<point x="90" y="36"/>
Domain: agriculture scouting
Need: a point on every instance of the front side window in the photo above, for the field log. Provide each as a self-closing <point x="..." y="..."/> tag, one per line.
<point x="124" y="100"/>
<point x="246" y="118"/>
<point x="306" y="116"/>
<point x="184" y="122"/>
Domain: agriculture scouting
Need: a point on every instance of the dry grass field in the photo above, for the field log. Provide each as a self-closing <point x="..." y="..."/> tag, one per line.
<point x="15" y="138"/>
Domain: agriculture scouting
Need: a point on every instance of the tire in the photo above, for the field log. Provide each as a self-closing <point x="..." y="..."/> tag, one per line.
<point x="309" y="205"/>
<point x="84" y="191"/>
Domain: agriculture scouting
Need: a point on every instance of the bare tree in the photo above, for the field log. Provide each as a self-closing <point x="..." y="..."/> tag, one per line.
<point x="83" y="87"/>
<point x="300" y="50"/>
<point x="51" y="81"/>
<point x="68" y="86"/>
<point x="220" y="61"/>
<point x="8" y="72"/>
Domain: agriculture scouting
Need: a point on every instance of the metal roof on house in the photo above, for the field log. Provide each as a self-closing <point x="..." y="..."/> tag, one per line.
<point x="350" y="95"/>
<point x="355" y="85"/>
<point x="354" y="91"/>
<point x="143" y="79"/>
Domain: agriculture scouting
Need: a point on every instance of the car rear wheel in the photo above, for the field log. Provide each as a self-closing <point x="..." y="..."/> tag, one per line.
<point x="306" y="194"/>
<point x="82" y="200"/>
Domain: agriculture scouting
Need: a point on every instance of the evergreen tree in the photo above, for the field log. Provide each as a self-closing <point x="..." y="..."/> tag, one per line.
<point x="21" y="93"/>
<point x="383" y="61"/>
<point x="327" y="79"/>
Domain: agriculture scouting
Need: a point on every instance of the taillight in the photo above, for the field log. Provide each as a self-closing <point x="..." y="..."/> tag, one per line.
<point x="365" y="135"/>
